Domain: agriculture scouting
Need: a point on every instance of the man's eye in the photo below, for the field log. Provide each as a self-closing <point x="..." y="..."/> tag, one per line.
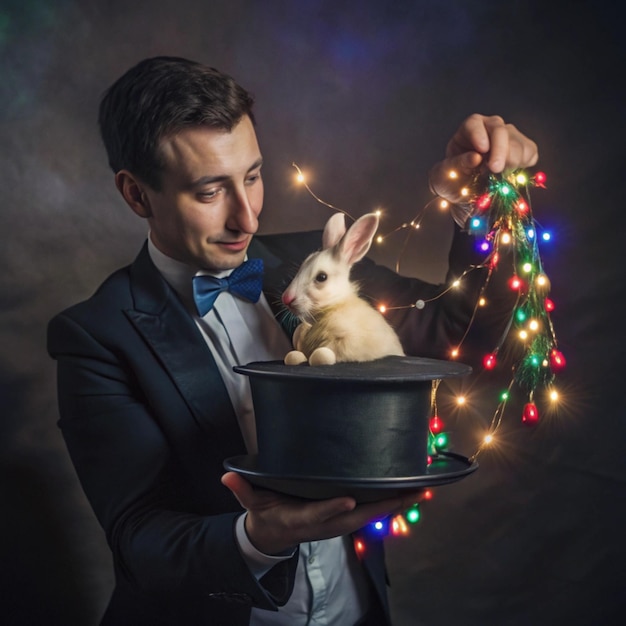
<point x="321" y="277"/>
<point x="208" y="195"/>
<point x="253" y="179"/>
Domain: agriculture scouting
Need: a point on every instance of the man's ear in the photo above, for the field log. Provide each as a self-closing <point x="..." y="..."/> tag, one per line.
<point x="132" y="190"/>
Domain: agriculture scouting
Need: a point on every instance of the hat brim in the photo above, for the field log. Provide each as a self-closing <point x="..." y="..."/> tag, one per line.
<point x="446" y="467"/>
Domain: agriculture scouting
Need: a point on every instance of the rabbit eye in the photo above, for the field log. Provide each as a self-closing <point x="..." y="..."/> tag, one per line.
<point x="321" y="277"/>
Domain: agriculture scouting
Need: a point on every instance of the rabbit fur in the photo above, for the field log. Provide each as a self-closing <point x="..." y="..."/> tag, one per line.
<point x="336" y="323"/>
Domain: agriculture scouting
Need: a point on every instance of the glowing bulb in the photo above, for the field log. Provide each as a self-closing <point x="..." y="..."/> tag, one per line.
<point x="521" y="179"/>
<point x="465" y="192"/>
<point x="300" y="177"/>
<point x="549" y="305"/>
<point x="454" y="353"/>
<point x="489" y="361"/>
<point x="483" y="202"/>
<point x="427" y="495"/>
<point x="476" y="222"/>
<point x="504" y="396"/>
<point x="460" y="400"/>
<point x="505" y="238"/>
<point x="382" y="308"/>
<point x="482" y="302"/>
<point x="530" y="233"/>
<point x="359" y="547"/>
<point x="398" y="526"/>
<point x="413" y="515"/>
<point x="488" y="439"/>
<point x="515" y="283"/>
<point x="378" y="525"/>
<point x="378" y="212"/>
<point x="546" y="236"/>
<point x="530" y="415"/>
<point x="436" y="425"/>
<point x="542" y="282"/>
<point x="540" y="179"/>
<point x="505" y="190"/>
<point x="527" y="267"/>
<point x="444" y="204"/>
<point x="456" y="283"/>
<point x="523" y="335"/>
<point x="522" y="207"/>
<point x="533" y="325"/>
<point x="379" y="239"/>
<point x="441" y="441"/>
<point x="554" y="395"/>
<point x="557" y="360"/>
<point x="416" y="226"/>
<point x="453" y="174"/>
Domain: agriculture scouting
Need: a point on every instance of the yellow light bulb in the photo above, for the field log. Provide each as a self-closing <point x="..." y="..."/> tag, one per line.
<point x="454" y="353"/>
<point x="382" y="308"/>
<point x="453" y="174"/>
<point x="482" y="302"/>
<point x="523" y="334"/>
<point x="460" y="400"/>
<point x="505" y="238"/>
<point x="521" y="179"/>
<point x="465" y="192"/>
<point x="533" y="325"/>
<point x="488" y="439"/>
<point x="300" y="177"/>
<point x="444" y="204"/>
<point x="379" y="239"/>
<point x="456" y="283"/>
<point x="554" y="395"/>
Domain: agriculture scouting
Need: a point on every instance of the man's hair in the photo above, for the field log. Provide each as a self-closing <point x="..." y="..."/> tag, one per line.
<point x="159" y="97"/>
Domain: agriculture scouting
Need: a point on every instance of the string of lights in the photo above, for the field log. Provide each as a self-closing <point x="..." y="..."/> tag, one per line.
<point x="501" y="220"/>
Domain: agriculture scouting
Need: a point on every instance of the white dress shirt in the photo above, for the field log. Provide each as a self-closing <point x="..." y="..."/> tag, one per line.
<point x="330" y="587"/>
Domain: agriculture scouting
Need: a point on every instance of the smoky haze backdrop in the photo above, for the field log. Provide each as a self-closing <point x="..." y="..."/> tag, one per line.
<point x="362" y="95"/>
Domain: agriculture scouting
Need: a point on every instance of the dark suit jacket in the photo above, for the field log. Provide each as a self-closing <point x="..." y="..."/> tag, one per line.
<point x="148" y="422"/>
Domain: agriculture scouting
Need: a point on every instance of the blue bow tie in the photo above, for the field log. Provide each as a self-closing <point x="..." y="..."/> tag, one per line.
<point x="245" y="281"/>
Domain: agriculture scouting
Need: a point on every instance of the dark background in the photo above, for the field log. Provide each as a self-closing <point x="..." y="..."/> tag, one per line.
<point x="364" y="95"/>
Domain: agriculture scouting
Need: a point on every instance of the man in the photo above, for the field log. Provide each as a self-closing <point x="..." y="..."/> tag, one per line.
<point x="149" y="404"/>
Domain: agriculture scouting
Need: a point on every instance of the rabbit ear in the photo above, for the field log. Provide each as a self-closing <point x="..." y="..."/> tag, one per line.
<point x="357" y="241"/>
<point x="334" y="230"/>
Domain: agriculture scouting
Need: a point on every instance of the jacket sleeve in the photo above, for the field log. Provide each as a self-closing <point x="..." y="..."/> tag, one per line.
<point x="165" y="542"/>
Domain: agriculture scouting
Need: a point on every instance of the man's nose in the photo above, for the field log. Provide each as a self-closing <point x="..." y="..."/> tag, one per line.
<point x="243" y="214"/>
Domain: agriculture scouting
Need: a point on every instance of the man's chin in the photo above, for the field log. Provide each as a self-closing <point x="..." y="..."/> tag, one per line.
<point x="224" y="263"/>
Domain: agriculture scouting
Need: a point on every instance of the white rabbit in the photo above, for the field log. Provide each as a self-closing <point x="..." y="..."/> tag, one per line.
<point x="337" y="324"/>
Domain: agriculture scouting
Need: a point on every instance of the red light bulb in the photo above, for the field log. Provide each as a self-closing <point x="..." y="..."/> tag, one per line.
<point x="540" y="179"/>
<point x="557" y="360"/>
<point x="515" y="283"/>
<point x="436" y="425"/>
<point x="489" y="361"/>
<point x="549" y="305"/>
<point x="530" y="415"/>
<point x="483" y="202"/>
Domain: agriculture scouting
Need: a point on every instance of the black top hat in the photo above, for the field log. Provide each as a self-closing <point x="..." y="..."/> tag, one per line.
<point x="358" y="429"/>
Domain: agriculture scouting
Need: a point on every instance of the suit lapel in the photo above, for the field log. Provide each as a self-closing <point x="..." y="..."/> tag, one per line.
<point x="162" y="320"/>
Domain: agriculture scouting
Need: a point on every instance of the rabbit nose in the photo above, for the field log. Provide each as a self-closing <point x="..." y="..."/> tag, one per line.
<point x="288" y="299"/>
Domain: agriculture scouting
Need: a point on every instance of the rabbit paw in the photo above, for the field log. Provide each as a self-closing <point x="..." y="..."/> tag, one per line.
<point x="295" y="357"/>
<point x="322" y="356"/>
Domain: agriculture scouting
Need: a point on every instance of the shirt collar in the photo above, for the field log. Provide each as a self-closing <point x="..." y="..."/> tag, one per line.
<point x="179" y="275"/>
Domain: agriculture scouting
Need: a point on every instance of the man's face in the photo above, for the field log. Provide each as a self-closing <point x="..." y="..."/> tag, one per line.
<point x="211" y="196"/>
